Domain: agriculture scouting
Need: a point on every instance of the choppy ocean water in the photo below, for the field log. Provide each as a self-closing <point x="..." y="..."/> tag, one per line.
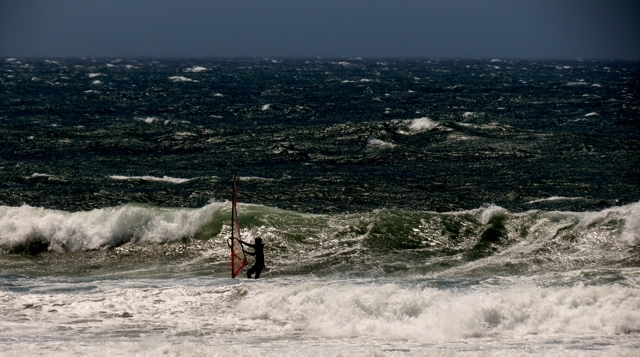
<point x="408" y="207"/>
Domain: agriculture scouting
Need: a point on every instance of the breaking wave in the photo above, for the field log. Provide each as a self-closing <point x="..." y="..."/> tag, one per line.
<point x="32" y="229"/>
<point x="488" y="240"/>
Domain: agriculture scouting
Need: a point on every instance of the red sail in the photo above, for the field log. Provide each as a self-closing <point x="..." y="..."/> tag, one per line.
<point x="238" y="260"/>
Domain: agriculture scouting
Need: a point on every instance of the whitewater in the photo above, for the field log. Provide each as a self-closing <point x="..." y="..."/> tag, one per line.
<point x="408" y="207"/>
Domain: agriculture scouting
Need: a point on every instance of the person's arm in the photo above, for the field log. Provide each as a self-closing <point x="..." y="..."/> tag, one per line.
<point x="248" y="244"/>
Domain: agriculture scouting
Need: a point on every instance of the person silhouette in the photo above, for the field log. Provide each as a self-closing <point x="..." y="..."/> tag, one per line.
<point x="258" y="252"/>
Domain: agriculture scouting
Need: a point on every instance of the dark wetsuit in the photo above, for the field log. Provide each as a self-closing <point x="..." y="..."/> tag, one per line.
<point x="258" y="252"/>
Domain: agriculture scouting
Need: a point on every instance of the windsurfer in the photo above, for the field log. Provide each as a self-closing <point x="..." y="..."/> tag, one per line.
<point x="258" y="252"/>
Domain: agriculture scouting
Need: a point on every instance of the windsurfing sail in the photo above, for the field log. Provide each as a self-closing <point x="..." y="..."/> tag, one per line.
<point x="238" y="259"/>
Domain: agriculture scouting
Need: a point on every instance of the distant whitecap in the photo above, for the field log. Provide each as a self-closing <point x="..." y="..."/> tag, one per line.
<point x="555" y="198"/>
<point x="254" y="178"/>
<point x="150" y="178"/>
<point x="196" y="69"/>
<point x="377" y="143"/>
<point x="592" y="114"/>
<point x="422" y="124"/>
<point x="147" y="120"/>
<point x="181" y="79"/>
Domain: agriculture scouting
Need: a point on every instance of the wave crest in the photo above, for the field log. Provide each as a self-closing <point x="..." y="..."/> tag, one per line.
<point x="27" y="228"/>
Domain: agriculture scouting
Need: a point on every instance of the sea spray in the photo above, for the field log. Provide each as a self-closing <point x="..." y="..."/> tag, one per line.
<point x="100" y="228"/>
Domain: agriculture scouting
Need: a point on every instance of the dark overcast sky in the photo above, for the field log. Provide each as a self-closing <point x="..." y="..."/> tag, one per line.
<point x="325" y="28"/>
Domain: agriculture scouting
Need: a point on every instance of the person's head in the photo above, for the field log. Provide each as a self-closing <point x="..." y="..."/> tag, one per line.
<point x="258" y="240"/>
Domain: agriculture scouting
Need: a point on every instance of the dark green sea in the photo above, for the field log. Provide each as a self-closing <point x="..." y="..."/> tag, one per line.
<point x="408" y="207"/>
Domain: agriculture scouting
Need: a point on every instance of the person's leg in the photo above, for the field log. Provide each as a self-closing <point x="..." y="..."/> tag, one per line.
<point x="251" y="271"/>
<point x="258" y="271"/>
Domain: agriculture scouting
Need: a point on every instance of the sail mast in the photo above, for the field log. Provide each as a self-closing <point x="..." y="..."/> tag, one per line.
<point x="238" y="259"/>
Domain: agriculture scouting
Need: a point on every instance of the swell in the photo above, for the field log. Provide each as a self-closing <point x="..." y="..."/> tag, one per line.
<point x="488" y="240"/>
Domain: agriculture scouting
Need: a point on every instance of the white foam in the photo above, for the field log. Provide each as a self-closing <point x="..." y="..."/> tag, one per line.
<point x="181" y="79"/>
<point x="96" y="82"/>
<point x="433" y="315"/>
<point x="492" y="212"/>
<point x="10" y="60"/>
<point x="218" y="95"/>
<point x="631" y="233"/>
<point x="93" y="75"/>
<point x="311" y="317"/>
<point x="266" y="106"/>
<point x="556" y="198"/>
<point x="106" y="227"/>
<point x="196" y="69"/>
<point x="366" y="80"/>
<point x="377" y="143"/>
<point x="592" y="114"/>
<point x="423" y="123"/>
<point x="580" y="83"/>
<point x="151" y="178"/>
<point x="148" y="120"/>
<point x="41" y="175"/>
<point x="629" y="214"/>
<point x="254" y="178"/>
<point x="468" y="114"/>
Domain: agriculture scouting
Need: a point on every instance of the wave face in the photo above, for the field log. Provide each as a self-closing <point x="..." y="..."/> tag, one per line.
<point x="480" y="242"/>
<point x="24" y="227"/>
